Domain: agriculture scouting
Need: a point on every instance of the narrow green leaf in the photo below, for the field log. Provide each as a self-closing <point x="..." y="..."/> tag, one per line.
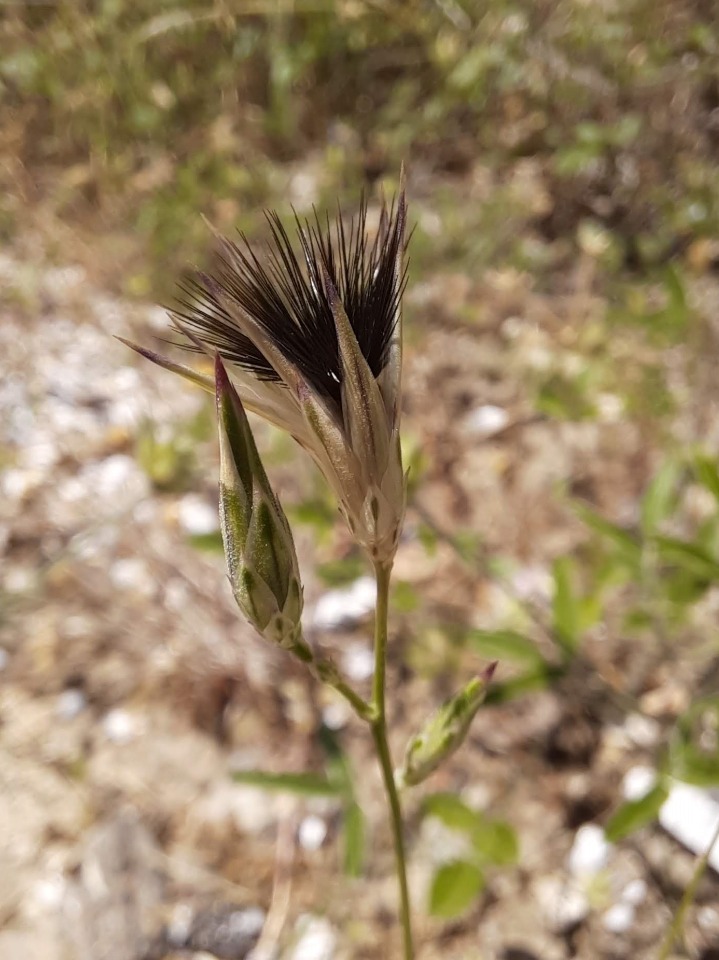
<point x="428" y="538"/>
<point x="455" y="887"/>
<point x="496" y="842"/>
<point x="565" y="606"/>
<point x="689" y="556"/>
<point x="338" y="573"/>
<point x="453" y="813"/>
<point x="674" y="285"/>
<point x="590" y="610"/>
<point x="528" y="682"/>
<point x="207" y="542"/>
<point x="316" y="513"/>
<point x="689" y="759"/>
<point x="304" y="784"/>
<point x="629" y="548"/>
<point x="405" y="598"/>
<point x="468" y="546"/>
<point x="681" y="589"/>
<point x="635" y="814"/>
<point x="707" y="474"/>
<point x="661" y="496"/>
<point x="354" y="839"/>
<point x="695" y="766"/>
<point x="505" y="645"/>
<point x="338" y="767"/>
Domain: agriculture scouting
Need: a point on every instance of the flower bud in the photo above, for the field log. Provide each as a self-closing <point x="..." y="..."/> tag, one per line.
<point x="444" y="732"/>
<point x="259" y="548"/>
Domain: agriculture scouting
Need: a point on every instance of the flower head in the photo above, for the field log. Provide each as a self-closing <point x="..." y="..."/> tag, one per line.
<point x="311" y="336"/>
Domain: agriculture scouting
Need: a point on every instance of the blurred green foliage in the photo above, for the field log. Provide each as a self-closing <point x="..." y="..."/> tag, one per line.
<point x="489" y="843"/>
<point x="151" y="113"/>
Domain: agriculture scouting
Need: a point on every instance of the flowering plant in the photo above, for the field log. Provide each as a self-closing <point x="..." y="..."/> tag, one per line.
<point x="312" y="342"/>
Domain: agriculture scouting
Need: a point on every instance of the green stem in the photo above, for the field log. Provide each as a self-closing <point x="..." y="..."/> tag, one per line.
<point x="677" y="925"/>
<point x="379" y="734"/>
<point x="327" y="672"/>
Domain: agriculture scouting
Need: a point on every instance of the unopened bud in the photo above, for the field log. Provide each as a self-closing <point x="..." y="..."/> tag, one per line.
<point x="444" y="732"/>
<point x="259" y="548"/>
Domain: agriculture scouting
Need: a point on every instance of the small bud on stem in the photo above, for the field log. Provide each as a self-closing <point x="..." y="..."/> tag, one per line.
<point x="259" y="548"/>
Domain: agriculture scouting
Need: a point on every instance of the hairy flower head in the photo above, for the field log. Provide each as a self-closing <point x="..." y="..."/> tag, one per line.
<point x="311" y="336"/>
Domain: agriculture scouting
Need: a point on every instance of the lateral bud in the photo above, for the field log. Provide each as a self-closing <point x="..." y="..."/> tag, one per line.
<point x="259" y="549"/>
<point x="444" y="731"/>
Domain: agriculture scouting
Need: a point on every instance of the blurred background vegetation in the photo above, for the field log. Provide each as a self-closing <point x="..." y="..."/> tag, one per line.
<point x="137" y="117"/>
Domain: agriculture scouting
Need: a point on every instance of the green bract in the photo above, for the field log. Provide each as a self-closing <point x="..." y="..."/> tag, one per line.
<point x="444" y="731"/>
<point x="259" y="548"/>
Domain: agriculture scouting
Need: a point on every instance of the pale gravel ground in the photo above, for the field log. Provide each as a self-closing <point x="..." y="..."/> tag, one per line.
<point x="117" y="816"/>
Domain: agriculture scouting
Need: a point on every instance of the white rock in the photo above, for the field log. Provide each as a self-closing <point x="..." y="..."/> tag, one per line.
<point x="345" y="606"/>
<point x="180" y="925"/>
<point x="120" y="726"/>
<point x="357" y="662"/>
<point x="97" y="542"/>
<point x="157" y="319"/>
<point x="196" y="516"/>
<point x="118" y="474"/>
<point x="303" y="189"/>
<point x="336" y="715"/>
<point x="708" y="917"/>
<point x="635" y="892"/>
<point x="619" y="918"/>
<point x="533" y="582"/>
<point x="116" y="481"/>
<point x="133" y="574"/>
<point x="20" y="579"/>
<point x="249" y="809"/>
<point x="641" y="730"/>
<point x="431" y="222"/>
<point x="691" y="816"/>
<point x="312" y="832"/>
<point x="246" y="923"/>
<point x="46" y="895"/>
<point x="146" y="512"/>
<point x="70" y="703"/>
<point x="610" y="407"/>
<point x="486" y="420"/>
<point x="60" y="280"/>
<point x="40" y="454"/>
<point x="563" y="904"/>
<point x="177" y="594"/>
<point x="78" y="626"/>
<point x="16" y="483"/>
<point x="638" y="781"/>
<point x="590" y="851"/>
<point x="317" y="940"/>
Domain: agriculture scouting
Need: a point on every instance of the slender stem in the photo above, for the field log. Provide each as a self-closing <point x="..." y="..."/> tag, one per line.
<point x="327" y="672"/>
<point x="677" y="924"/>
<point x="379" y="734"/>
